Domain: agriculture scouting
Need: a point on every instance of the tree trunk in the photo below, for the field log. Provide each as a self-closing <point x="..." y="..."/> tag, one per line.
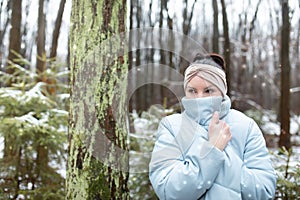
<point x="55" y="34"/>
<point x="215" y="39"/>
<point x="98" y="150"/>
<point x="241" y="69"/>
<point x="285" y="78"/>
<point x="42" y="151"/>
<point x="141" y="93"/>
<point x="226" y="46"/>
<point x="163" y="59"/>
<point x="131" y="82"/>
<point x="186" y="29"/>
<point x="13" y="154"/>
<point x="15" y="32"/>
<point x="14" y="46"/>
<point x="41" y="57"/>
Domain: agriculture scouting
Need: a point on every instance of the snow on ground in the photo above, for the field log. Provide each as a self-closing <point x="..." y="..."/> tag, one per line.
<point x="270" y="126"/>
<point x="279" y="160"/>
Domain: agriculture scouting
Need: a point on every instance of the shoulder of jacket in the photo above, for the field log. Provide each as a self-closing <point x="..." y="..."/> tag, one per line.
<point x="174" y="118"/>
<point x="241" y="121"/>
<point x="171" y="121"/>
<point x="238" y="116"/>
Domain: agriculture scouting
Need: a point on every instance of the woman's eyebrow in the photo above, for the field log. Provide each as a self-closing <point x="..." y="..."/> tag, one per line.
<point x="209" y="87"/>
<point x="191" y="87"/>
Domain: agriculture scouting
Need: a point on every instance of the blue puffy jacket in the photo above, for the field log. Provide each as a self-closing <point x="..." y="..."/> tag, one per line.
<point x="184" y="165"/>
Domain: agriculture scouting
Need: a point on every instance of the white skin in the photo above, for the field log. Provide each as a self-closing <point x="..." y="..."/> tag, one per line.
<point x="218" y="131"/>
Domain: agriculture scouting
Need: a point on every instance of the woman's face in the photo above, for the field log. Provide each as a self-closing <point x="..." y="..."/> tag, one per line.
<point x="199" y="88"/>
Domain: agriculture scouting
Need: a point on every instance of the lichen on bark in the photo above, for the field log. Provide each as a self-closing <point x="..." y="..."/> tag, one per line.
<point x="98" y="152"/>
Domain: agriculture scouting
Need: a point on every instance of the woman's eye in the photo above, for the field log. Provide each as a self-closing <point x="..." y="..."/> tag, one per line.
<point x="209" y="91"/>
<point x="192" y="91"/>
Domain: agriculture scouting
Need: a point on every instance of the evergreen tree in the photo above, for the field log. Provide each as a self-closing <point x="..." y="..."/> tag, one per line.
<point x="31" y="117"/>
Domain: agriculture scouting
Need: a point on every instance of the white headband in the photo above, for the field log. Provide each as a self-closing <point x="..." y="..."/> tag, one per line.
<point x="210" y="73"/>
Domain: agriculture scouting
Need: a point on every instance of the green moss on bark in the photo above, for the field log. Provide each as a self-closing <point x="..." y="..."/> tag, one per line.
<point x="98" y="154"/>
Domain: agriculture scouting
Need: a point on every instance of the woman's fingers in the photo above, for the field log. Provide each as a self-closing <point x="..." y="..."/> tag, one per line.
<point x="219" y="132"/>
<point x="215" y="117"/>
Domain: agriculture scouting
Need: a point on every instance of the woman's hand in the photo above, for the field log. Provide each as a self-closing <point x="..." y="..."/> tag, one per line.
<point x="218" y="132"/>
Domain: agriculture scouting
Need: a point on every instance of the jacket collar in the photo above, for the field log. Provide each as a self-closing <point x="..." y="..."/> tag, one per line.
<point x="200" y="110"/>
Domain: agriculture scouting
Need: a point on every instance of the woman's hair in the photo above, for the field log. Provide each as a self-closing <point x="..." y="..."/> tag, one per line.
<point x="211" y="59"/>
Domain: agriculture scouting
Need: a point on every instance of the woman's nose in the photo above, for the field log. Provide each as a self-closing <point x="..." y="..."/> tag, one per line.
<point x="199" y="95"/>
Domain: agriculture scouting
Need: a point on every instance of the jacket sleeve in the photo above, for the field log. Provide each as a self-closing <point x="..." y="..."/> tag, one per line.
<point x="182" y="175"/>
<point x="258" y="176"/>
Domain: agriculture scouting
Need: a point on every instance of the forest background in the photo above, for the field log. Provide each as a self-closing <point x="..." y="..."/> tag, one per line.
<point x="259" y="40"/>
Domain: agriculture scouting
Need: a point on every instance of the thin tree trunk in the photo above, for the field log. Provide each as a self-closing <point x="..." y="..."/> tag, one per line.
<point x="285" y="78"/>
<point x="163" y="59"/>
<point x="252" y="23"/>
<point x="186" y="29"/>
<point x="246" y="87"/>
<point x="40" y="60"/>
<point x="14" y="46"/>
<point x="17" y="172"/>
<point x="15" y="32"/>
<point x="140" y="94"/>
<point x="215" y="39"/>
<point x="42" y="151"/>
<point x="56" y="30"/>
<point x="226" y="46"/>
<point x="98" y="154"/>
<point x="131" y="82"/>
<point x="242" y="68"/>
<point x="10" y="153"/>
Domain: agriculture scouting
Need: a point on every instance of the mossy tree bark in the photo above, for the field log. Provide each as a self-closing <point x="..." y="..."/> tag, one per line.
<point x="98" y="151"/>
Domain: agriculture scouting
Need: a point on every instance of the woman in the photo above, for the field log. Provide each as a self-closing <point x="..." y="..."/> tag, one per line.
<point x="210" y="151"/>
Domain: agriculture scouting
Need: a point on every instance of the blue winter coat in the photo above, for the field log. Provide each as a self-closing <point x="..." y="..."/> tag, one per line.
<point x="184" y="165"/>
